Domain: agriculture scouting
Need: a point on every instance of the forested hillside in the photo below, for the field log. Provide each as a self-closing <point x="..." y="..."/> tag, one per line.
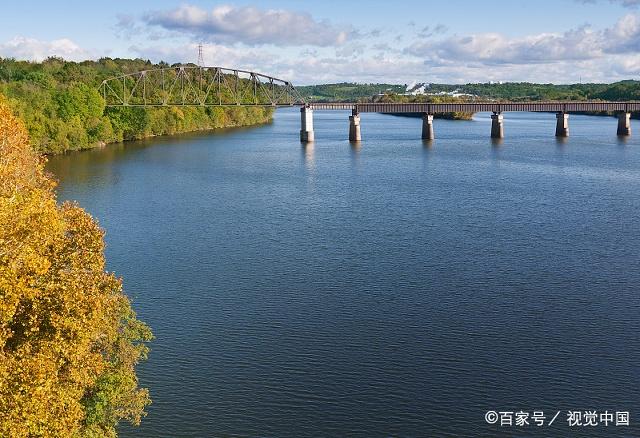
<point x="63" y="110"/>
<point x="625" y="90"/>
<point x="516" y="91"/>
<point x="400" y="98"/>
<point x="346" y="92"/>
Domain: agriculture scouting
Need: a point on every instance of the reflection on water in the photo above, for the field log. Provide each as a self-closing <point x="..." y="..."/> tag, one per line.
<point x="623" y="139"/>
<point x="355" y="146"/>
<point x="308" y="153"/>
<point x="497" y="143"/>
<point x="384" y="288"/>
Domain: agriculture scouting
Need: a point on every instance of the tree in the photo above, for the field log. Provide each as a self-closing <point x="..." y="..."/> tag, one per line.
<point x="79" y="100"/>
<point x="69" y="340"/>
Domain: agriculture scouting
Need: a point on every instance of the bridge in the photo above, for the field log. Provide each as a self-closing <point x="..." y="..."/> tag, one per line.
<point x="561" y="108"/>
<point x="197" y="86"/>
<point x="200" y="86"/>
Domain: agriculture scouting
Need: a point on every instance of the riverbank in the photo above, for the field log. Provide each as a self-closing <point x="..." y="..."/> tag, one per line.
<point x="160" y="122"/>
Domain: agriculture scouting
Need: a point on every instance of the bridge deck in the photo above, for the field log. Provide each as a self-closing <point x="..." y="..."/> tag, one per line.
<point x="475" y="107"/>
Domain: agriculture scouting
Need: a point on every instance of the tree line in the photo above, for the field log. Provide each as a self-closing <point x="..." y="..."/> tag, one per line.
<point x="61" y="105"/>
<point x="512" y="91"/>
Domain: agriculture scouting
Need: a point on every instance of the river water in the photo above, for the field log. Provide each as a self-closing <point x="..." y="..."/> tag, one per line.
<point x="392" y="289"/>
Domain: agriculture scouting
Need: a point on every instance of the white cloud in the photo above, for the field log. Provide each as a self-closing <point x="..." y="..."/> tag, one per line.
<point x="590" y="54"/>
<point x="389" y="66"/>
<point x="627" y="3"/>
<point x="496" y="52"/>
<point x="581" y="53"/>
<point x="623" y="3"/>
<point x="495" y="48"/>
<point x="301" y="70"/>
<point x="33" y="49"/>
<point x="626" y="65"/>
<point x="217" y="55"/>
<point x="624" y="37"/>
<point x="351" y="50"/>
<point x="249" y="25"/>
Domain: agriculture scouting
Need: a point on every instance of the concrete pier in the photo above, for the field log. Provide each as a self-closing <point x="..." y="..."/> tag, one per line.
<point x="306" y="125"/>
<point x="624" y="124"/>
<point x="427" y="127"/>
<point x="497" y="125"/>
<point x="562" y="125"/>
<point x="354" y="127"/>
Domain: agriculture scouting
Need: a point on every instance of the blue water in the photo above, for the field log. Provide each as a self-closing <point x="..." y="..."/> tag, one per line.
<point x="393" y="289"/>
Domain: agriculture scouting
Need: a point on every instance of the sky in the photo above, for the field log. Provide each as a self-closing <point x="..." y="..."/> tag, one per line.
<point x="324" y="41"/>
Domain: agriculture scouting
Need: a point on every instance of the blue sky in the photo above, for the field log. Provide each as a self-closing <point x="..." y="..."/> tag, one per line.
<point x="558" y="41"/>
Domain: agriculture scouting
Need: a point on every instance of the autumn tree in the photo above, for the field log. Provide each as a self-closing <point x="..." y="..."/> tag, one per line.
<point x="69" y="340"/>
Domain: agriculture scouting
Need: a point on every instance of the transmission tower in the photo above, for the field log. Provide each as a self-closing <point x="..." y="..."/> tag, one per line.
<point x="200" y="56"/>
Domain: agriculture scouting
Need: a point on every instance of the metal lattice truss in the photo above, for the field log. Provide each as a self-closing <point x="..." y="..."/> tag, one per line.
<point x="198" y="86"/>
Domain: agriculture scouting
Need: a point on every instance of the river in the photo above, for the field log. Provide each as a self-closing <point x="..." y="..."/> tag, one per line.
<point x="392" y="289"/>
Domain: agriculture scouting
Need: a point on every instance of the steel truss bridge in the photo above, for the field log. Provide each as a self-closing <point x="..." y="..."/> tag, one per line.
<point x="198" y="86"/>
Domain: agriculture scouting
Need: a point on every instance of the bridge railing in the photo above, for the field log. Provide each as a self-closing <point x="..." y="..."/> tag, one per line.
<point x="475" y="107"/>
<point x="198" y="86"/>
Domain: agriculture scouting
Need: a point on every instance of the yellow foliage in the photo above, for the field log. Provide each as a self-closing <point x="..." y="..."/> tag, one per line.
<point x="65" y="325"/>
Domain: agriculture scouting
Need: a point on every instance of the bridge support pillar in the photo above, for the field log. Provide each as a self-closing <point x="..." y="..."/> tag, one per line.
<point x="497" y="125"/>
<point x="427" y="127"/>
<point x="306" y="125"/>
<point x="624" y="124"/>
<point x="562" y="125"/>
<point x="354" y="126"/>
